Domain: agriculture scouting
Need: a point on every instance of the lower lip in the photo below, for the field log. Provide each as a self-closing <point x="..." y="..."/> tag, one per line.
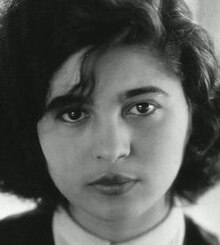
<point x="114" y="189"/>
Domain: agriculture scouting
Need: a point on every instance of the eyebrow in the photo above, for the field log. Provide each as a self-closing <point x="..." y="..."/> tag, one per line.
<point x="143" y="90"/>
<point x="65" y="100"/>
<point x="68" y="99"/>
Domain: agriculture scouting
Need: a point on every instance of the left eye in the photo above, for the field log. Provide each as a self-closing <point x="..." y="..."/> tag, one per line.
<point x="141" y="109"/>
<point x="73" y="116"/>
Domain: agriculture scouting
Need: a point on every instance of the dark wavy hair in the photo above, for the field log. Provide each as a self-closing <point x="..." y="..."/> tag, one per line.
<point x="37" y="36"/>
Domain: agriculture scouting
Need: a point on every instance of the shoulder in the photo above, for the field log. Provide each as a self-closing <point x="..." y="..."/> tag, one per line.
<point x="196" y="235"/>
<point x="30" y="228"/>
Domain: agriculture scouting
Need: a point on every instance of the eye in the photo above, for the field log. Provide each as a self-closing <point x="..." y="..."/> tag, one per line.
<point x="73" y="116"/>
<point x="142" y="109"/>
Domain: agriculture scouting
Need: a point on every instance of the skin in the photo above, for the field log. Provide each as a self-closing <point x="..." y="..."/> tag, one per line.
<point x="141" y="136"/>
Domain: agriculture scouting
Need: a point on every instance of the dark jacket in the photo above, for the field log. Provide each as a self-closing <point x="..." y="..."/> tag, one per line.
<point x="34" y="228"/>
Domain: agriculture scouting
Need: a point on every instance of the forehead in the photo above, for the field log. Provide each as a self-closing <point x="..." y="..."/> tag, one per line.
<point x="67" y="76"/>
<point x="124" y="66"/>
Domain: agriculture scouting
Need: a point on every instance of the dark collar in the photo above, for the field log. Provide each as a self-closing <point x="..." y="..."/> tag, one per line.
<point x="196" y="235"/>
<point x="35" y="228"/>
<point x="31" y="228"/>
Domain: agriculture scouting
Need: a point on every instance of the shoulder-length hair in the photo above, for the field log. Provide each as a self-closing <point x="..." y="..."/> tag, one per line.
<point x="37" y="36"/>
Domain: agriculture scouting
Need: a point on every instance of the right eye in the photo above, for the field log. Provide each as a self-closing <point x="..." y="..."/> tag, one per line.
<point x="73" y="115"/>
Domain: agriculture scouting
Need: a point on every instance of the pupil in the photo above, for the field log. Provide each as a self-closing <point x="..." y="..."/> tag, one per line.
<point x="143" y="107"/>
<point x="74" y="115"/>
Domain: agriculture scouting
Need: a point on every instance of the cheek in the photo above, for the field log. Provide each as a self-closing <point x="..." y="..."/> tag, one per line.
<point x="160" y="147"/>
<point x="64" y="155"/>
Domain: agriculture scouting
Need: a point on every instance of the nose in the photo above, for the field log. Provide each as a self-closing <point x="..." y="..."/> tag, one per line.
<point x="111" y="142"/>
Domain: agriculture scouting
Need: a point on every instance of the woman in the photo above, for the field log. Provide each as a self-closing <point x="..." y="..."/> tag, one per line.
<point x="110" y="113"/>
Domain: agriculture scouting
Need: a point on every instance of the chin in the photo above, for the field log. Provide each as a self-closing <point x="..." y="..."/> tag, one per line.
<point x="119" y="213"/>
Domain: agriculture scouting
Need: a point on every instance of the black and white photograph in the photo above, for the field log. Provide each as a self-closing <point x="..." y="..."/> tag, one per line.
<point x="109" y="122"/>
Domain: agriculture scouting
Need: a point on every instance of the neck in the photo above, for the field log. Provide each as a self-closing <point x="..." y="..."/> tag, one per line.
<point x="122" y="230"/>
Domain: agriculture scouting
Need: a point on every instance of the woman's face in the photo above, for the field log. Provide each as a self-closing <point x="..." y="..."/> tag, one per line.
<point x="115" y="155"/>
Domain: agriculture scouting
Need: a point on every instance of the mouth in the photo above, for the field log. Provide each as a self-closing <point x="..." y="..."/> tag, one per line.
<point x="113" y="185"/>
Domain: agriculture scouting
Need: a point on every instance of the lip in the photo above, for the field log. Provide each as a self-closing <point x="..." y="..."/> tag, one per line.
<point x="113" y="185"/>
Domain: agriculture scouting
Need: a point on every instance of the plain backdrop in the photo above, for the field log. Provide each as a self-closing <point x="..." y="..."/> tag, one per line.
<point x="207" y="210"/>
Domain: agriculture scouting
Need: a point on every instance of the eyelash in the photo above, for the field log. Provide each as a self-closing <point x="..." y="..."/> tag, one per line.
<point x="153" y="108"/>
<point x="65" y="114"/>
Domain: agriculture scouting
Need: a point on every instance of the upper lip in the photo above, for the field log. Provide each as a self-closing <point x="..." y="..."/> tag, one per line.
<point x="115" y="179"/>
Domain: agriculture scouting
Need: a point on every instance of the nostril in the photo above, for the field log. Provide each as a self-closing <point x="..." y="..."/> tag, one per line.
<point x="111" y="156"/>
<point x="123" y="155"/>
<point x="111" y="145"/>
